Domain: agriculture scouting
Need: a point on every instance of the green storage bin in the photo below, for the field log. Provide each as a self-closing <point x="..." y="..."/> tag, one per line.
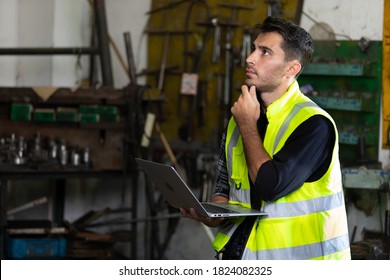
<point x="89" y="118"/>
<point x="69" y="115"/>
<point x="44" y="115"/>
<point x="21" y="111"/>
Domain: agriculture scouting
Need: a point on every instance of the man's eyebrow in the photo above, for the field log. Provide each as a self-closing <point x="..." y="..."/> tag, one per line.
<point x="264" y="48"/>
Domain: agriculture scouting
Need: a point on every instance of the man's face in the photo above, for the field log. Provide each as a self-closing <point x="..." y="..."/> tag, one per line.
<point x="265" y="65"/>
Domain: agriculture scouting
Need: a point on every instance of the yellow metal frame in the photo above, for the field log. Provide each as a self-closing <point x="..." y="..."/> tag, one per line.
<point x="386" y="74"/>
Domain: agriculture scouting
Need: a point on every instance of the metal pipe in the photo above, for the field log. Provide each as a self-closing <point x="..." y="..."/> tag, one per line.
<point x="48" y="51"/>
<point x="139" y="220"/>
<point x="103" y="42"/>
<point x="130" y="58"/>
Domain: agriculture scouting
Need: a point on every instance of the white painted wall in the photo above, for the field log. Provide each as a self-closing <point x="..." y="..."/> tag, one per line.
<point x="348" y="18"/>
<point x="65" y="23"/>
<point x="8" y="38"/>
<point x="69" y="16"/>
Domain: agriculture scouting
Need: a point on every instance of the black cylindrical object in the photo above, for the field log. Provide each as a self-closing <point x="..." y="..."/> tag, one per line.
<point x="387" y="223"/>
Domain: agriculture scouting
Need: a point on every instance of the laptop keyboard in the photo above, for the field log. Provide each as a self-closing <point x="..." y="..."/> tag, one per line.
<point x="216" y="209"/>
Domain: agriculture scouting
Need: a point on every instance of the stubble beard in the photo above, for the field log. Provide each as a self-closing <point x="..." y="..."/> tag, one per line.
<point x="266" y="82"/>
<point x="262" y="85"/>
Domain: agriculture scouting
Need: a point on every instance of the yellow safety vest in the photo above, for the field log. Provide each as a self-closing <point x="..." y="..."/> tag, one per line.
<point x="309" y="223"/>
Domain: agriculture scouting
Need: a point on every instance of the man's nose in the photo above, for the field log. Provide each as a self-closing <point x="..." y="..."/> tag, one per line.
<point x="250" y="59"/>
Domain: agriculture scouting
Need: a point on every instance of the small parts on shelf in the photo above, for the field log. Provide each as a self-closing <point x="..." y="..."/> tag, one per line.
<point x="42" y="152"/>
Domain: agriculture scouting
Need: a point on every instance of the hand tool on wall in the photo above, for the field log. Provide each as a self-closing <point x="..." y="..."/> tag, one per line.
<point x="246" y="47"/>
<point x="199" y="40"/>
<point x="163" y="62"/>
<point x="274" y="8"/>
<point x="228" y="68"/>
<point x="229" y="54"/>
<point x="190" y="76"/>
<point x="217" y="40"/>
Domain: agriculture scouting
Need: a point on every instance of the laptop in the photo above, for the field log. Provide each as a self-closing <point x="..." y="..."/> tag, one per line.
<point x="179" y="195"/>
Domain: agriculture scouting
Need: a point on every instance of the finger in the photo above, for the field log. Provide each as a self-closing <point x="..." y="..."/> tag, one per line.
<point x="183" y="212"/>
<point x="252" y="92"/>
<point x="193" y="213"/>
<point x="198" y="217"/>
<point x="244" y="89"/>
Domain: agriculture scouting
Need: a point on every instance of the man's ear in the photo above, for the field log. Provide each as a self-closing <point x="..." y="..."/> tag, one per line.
<point x="294" y="67"/>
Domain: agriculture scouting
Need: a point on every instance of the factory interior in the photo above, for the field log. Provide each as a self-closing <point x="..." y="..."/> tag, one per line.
<point x="87" y="86"/>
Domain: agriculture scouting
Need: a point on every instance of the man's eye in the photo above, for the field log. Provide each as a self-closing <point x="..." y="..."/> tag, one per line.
<point x="265" y="52"/>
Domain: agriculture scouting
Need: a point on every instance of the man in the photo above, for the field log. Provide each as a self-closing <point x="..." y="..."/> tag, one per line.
<point x="280" y="154"/>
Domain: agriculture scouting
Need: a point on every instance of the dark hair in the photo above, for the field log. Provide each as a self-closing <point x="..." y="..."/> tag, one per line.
<point x="297" y="42"/>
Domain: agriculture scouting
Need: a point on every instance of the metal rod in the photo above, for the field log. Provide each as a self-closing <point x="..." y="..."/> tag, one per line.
<point x="139" y="220"/>
<point x="28" y="205"/>
<point x="48" y="51"/>
<point x="130" y="58"/>
<point x="163" y="62"/>
<point x="103" y="42"/>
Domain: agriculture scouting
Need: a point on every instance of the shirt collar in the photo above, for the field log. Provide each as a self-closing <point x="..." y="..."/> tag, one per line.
<point x="276" y="107"/>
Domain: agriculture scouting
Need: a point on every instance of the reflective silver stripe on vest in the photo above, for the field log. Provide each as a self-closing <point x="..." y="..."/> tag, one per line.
<point x="304" y="252"/>
<point x="232" y="143"/>
<point x="291" y="209"/>
<point x="287" y="121"/>
<point x="241" y="195"/>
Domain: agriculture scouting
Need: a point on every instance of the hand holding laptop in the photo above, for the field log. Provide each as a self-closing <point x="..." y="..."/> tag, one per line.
<point x="208" y="221"/>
